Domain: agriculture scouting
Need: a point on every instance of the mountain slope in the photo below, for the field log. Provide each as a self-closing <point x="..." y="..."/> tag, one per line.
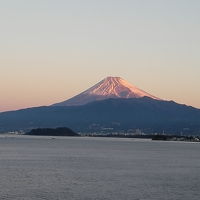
<point x="145" y="113"/>
<point x="110" y="87"/>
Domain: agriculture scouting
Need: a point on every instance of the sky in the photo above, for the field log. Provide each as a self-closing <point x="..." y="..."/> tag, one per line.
<point x="51" y="50"/>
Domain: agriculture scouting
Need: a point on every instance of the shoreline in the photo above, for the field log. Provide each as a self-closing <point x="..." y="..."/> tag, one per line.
<point x="166" y="138"/>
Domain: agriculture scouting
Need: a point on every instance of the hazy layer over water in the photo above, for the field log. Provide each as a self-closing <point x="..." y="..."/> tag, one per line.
<point x="98" y="168"/>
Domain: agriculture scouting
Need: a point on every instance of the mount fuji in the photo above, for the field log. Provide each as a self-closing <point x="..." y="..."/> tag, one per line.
<point x="113" y="104"/>
<point x="110" y="87"/>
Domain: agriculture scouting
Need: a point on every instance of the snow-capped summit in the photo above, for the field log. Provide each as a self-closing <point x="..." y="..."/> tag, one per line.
<point x="110" y="87"/>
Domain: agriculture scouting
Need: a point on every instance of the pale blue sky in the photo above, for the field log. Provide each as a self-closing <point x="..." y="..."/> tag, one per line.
<point x="52" y="49"/>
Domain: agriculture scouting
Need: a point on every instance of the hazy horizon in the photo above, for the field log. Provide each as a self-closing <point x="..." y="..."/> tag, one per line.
<point x="53" y="50"/>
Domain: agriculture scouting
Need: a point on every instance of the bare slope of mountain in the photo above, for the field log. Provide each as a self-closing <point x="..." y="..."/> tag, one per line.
<point x="110" y="87"/>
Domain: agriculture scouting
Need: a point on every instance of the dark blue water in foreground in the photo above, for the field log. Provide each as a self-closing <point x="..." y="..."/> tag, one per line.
<point x="41" y="168"/>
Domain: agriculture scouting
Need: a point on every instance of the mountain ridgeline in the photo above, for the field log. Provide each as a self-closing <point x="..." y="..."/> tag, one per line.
<point x="111" y="105"/>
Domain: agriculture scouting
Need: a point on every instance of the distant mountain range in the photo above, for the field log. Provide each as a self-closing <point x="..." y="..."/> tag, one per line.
<point x="111" y="105"/>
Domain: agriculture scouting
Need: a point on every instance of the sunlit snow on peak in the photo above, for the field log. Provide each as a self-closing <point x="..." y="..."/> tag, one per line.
<point x="110" y="87"/>
<point x="117" y="87"/>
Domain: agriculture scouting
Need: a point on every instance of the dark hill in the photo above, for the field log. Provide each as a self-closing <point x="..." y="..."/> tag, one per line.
<point x="62" y="131"/>
<point x="119" y="114"/>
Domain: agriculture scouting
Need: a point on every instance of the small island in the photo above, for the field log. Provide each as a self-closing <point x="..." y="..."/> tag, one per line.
<point x="61" y="131"/>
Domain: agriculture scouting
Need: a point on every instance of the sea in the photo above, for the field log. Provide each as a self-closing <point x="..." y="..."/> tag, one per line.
<point x="88" y="168"/>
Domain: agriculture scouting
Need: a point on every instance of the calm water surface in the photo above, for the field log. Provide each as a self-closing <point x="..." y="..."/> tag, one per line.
<point x="42" y="168"/>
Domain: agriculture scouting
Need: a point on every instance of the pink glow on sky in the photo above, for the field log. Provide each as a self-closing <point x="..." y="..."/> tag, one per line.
<point x="53" y="50"/>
